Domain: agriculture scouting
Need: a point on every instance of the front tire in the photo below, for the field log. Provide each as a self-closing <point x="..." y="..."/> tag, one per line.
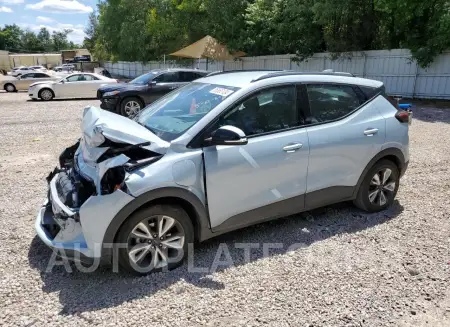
<point x="379" y="187"/>
<point x="46" y="94"/>
<point x="155" y="239"/>
<point x="131" y="106"/>
<point x="10" y="87"/>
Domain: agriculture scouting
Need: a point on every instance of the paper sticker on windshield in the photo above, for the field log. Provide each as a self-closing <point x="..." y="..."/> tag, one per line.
<point x="221" y="91"/>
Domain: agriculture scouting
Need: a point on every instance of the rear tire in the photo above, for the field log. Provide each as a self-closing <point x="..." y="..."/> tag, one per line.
<point x="131" y="106"/>
<point x="379" y="187"/>
<point x="46" y="94"/>
<point x="10" y="87"/>
<point x="160" y="248"/>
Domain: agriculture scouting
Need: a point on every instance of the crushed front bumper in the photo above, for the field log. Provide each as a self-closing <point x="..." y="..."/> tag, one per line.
<point x="77" y="234"/>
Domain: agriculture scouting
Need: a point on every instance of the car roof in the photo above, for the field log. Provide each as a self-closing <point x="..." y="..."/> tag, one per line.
<point x="85" y="73"/>
<point x="235" y="78"/>
<point x="243" y="79"/>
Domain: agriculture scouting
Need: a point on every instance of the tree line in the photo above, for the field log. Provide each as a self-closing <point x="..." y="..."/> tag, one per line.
<point x="142" y="30"/>
<point x="15" y="39"/>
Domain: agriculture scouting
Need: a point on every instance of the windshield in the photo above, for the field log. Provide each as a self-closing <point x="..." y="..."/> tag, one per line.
<point x="174" y="114"/>
<point x="144" y="79"/>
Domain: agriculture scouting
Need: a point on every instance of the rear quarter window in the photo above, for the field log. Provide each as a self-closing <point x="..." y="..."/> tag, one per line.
<point x="370" y="92"/>
<point x="328" y="102"/>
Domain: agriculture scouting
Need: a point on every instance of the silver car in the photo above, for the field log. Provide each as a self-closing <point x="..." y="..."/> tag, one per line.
<point x="23" y="82"/>
<point x="224" y="152"/>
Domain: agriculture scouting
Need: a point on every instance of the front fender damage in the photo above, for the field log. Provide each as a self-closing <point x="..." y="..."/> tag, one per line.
<point x="104" y="166"/>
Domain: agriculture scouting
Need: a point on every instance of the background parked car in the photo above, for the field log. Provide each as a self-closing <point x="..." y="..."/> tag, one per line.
<point x="128" y="99"/>
<point x="39" y="68"/>
<point x="81" y="58"/>
<point x="24" y="81"/>
<point x="78" y="85"/>
<point x="18" y="67"/>
<point x="22" y="71"/>
<point x="65" y="67"/>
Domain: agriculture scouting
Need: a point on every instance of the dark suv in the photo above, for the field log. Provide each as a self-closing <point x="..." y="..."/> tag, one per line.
<point x="129" y="98"/>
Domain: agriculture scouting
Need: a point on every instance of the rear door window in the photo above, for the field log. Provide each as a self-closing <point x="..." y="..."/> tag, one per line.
<point x="329" y="102"/>
<point x="31" y="75"/>
<point x="90" y="78"/>
<point x="189" y="76"/>
<point x="40" y="75"/>
<point x="169" y="77"/>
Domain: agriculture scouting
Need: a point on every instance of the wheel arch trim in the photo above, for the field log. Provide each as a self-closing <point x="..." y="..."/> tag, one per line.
<point x="45" y="87"/>
<point x="126" y="96"/>
<point x="386" y="153"/>
<point x="201" y="223"/>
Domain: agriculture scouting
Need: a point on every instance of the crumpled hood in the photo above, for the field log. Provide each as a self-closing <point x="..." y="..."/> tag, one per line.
<point x="99" y="124"/>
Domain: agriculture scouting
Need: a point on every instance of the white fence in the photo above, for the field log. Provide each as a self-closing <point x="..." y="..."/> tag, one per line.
<point x="400" y="74"/>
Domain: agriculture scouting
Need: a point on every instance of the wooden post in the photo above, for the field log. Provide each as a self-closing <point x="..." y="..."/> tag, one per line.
<point x="364" y="65"/>
<point x="415" y="80"/>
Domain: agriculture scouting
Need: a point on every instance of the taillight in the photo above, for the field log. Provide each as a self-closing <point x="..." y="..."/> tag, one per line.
<point x="403" y="116"/>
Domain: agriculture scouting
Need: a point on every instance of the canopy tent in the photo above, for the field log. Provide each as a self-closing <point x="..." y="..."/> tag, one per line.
<point x="209" y="48"/>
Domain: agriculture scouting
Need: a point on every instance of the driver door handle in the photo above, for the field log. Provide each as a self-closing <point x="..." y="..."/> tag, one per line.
<point x="371" y="131"/>
<point x="292" y="147"/>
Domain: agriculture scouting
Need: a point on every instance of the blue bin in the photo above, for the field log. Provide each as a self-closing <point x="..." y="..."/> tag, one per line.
<point x="405" y="106"/>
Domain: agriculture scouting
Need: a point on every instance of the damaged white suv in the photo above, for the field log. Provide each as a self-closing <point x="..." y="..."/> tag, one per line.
<point x="227" y="151"/>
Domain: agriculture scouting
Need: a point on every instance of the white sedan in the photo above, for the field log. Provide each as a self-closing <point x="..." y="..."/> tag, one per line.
<point x="24" y="81"/>
<point x="78" y="85"/>
<point x="22" y="70"/>
<point x="65" y="68"/>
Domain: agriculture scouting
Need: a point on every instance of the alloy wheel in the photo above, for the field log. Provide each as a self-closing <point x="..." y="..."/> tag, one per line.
<point x="132" y="108"/>
<point x="155" y="242"/>
<point x="10" y="88"/>
<point x="46" y="95"/>
<point x="382" y="187"/>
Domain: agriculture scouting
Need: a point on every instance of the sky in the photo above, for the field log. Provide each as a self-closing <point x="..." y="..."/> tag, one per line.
<point x="53" y="14"/>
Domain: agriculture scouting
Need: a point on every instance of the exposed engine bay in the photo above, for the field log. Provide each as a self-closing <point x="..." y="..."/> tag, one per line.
<point x="74" y="186"/>
<point x="99" y="162"/>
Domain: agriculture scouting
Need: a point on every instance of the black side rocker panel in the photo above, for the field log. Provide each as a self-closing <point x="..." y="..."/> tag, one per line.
<point x="397" y="153"/>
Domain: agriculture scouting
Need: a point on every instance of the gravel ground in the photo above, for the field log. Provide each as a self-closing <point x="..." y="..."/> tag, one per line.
<point x="354" y="269"/>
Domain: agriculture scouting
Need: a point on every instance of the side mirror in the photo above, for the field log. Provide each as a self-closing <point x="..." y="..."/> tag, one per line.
<point x="227" y="135"/>
<point x="62" y="81"/>
<point x="152" y="83"/>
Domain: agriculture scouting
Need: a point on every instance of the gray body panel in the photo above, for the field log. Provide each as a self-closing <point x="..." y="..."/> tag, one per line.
<point x="243" y="178"/>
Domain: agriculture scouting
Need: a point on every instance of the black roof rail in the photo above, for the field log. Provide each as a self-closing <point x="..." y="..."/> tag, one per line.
<point x="244" y="70"/>
<point x="290" y="73"/>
